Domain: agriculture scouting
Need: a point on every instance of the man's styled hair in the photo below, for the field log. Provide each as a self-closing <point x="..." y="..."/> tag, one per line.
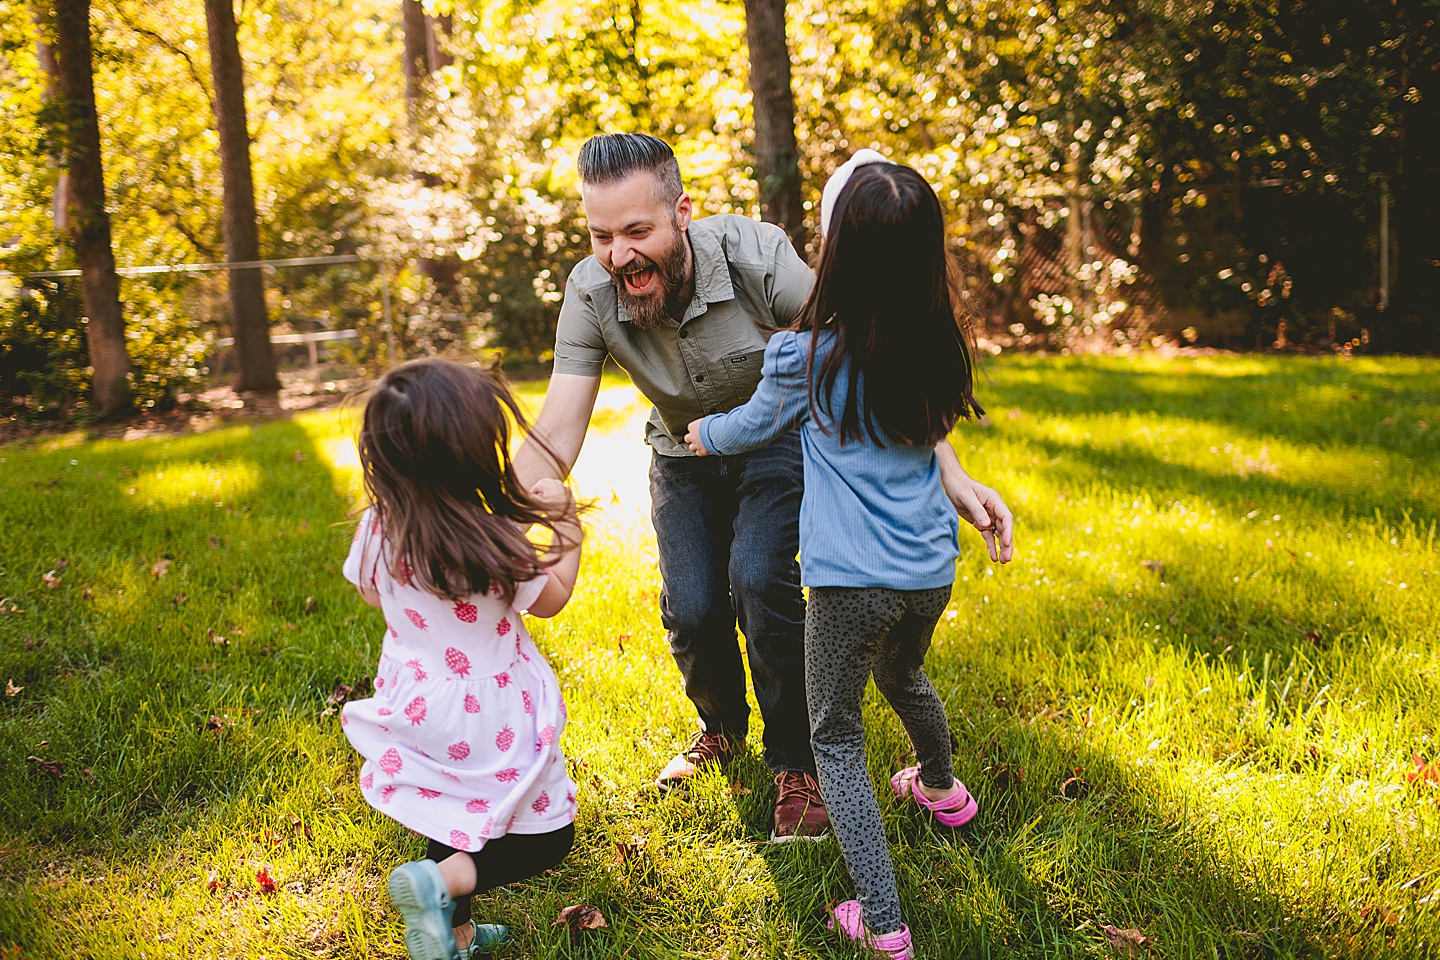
<point x="611" y="157"/>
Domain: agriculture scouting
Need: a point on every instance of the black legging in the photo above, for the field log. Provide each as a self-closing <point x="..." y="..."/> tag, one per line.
<point x="506" y="859"/>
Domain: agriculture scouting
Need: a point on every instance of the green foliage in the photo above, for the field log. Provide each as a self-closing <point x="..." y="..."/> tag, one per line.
<point x="1109" y="170"/>
<point x="1221" y="611"/>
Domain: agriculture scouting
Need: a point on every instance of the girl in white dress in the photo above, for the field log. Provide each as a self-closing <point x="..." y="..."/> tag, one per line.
<point x="462" y="737"/>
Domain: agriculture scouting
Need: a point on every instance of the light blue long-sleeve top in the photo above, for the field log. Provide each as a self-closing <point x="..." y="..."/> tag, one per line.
<point x="871" y="516"/>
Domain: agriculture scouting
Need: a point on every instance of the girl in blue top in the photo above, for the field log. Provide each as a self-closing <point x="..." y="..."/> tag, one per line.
<point x="876" y="372"/>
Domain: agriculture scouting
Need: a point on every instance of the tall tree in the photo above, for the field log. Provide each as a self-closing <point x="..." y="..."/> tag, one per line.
<point x="254" y="353"/>
<point x="87" y="225"/>
<point x="424" y="54"/>
<point x="777" y="155"/>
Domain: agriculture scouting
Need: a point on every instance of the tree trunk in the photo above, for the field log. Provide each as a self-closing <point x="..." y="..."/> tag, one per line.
<point x="255" y="357"/>
<point x="87" y="223"/>
<point x="60" y="202"/>
<point x="777" y="155"/>
<point x="424" y="54"/>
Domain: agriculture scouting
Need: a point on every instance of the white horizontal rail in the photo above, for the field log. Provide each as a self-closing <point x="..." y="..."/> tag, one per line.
<point x="319" y="336"/>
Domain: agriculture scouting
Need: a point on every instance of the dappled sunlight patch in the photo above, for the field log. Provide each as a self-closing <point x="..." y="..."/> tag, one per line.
<point x="186" y="483"/>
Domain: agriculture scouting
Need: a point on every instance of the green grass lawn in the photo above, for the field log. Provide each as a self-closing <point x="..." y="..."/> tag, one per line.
<point x="1221" y="621"/>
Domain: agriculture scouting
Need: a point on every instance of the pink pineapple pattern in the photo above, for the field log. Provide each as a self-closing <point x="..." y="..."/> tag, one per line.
<point x="415" y="618"/>
<point x="415" y="710"/>
<point x="547" y="736"/>
<point x="508" y="775"/>
<point x="466" y="612"/>
<point x="472" y="703"/>
<point x="427" y="793"/>
<point x="390" y="762"/>
<point x="459" y="750"/>
<point x="459" y="839"/>
<point x="387" y="791"/>
<point x="367" y="782"/>
<point x="420" y="673"/>
<point x="502" y="680"/>
<point x="529" y="704"/>
<point x="393" y="631"/>
<point x="458" y="663"/>
<point x="503" y="627"/>
<point x="542" y="802"/>
<point x="478" y="806"/>
<point x="505" y="738"/>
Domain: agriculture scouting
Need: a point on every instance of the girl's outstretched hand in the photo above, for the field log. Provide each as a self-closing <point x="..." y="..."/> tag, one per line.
<point x="692" y="438"/>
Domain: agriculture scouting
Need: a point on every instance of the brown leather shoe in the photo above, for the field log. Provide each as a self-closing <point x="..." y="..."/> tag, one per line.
<point x="702" y="750"/>
<point x="799" y="809"/>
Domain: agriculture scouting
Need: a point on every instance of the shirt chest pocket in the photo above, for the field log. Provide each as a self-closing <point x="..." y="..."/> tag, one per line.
<point x="742" y="373"/>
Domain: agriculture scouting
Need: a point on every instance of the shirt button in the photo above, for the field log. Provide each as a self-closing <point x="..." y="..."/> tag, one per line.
<point x="684" y="334"/>
<point x="700" y="379"/>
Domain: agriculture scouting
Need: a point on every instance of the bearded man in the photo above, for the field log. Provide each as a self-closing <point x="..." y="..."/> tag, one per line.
<point x="686" y="307"/>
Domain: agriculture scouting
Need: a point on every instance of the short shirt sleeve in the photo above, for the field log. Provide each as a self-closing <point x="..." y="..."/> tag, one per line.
<point x="579" y="341"/>
<point x="362" y="563"/>
<point x="529" y="591"/>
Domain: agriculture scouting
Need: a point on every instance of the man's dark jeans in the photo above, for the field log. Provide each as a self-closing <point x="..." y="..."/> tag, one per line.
<point x="728" y="530"/>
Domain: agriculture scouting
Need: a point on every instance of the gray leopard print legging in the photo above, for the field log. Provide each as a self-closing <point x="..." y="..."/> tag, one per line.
<point x="850" y="634"/>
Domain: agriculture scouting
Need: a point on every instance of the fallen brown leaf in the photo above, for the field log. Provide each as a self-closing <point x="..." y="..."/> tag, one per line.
<point x="267" y="882"/>
<point x="160" y="568"/>
<point x="1424" y="774"/>
<point x="738" y="789"/>
<point x="11" y="689"/>
<point x="1006" y="776"/>
<point x="51" y="768"/>
<point x="213" y="725"/>
<point x="578" y="917"/>
<point x="1074" y="788"/>
<point x="629" y="851"/>
<point x="1375" y="913"/>
<point x="1126" y="943"/>
<point x="51" y="579"/>
<point x="214" y="882"/>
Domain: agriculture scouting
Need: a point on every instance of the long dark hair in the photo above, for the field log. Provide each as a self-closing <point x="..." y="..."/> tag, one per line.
<point x="886" y="286"/>
<point x="435" y="448"/>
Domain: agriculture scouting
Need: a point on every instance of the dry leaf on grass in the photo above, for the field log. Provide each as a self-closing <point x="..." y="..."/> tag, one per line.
<point x="1424" y="774"/>
<point x="11" y="690"/>
<point x="578" y="917"/>
<point x="213" y="725"/>
<point x="214" y="882"/>
<point x="1126" y="943"/>
<point x="160" y="568"/>
<point x="51" y="579"/>
<point x="1075" y="788"/>
<point x="51" y="768"/>
<point x="267" y="882"/>
<point x="738" y="789"/>
<point x="629" y="851"/>
<point x="1375" y="913"/>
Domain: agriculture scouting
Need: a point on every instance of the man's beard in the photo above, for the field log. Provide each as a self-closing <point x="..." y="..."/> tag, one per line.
<point x="672" y="293"/>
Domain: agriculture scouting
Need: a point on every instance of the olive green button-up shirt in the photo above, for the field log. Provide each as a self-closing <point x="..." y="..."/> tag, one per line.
<point x="748" y="278"/>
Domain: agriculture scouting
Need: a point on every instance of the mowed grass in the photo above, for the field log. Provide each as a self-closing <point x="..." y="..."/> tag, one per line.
<point x="1220" y="628"/>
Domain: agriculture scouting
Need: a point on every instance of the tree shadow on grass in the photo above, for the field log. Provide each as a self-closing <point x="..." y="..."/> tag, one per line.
<point x="199" y="622"/>
<point x="1039" y="875"/>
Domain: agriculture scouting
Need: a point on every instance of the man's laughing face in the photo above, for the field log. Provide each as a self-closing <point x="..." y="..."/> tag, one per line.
<point x="641" y="241"/>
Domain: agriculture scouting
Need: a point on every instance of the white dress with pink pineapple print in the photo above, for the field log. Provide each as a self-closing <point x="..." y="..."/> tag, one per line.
<point x="462" y="737"/>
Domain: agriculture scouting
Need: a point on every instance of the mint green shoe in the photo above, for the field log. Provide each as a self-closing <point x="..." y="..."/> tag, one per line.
<point x="487" y="937"/>
<point x="419" y="893"/>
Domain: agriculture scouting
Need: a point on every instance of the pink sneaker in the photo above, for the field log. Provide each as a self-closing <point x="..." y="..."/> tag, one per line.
<point x="846" y="919"/>
<point x="955" y="810"/>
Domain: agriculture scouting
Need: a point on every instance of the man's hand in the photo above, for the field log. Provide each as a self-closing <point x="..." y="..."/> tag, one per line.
<point x="978" y="505"/>
<point x="692" y="438"/>
<point x="552" y="493"/>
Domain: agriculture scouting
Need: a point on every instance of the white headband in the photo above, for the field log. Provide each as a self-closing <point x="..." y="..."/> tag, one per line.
<point x="837" y="182"/>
